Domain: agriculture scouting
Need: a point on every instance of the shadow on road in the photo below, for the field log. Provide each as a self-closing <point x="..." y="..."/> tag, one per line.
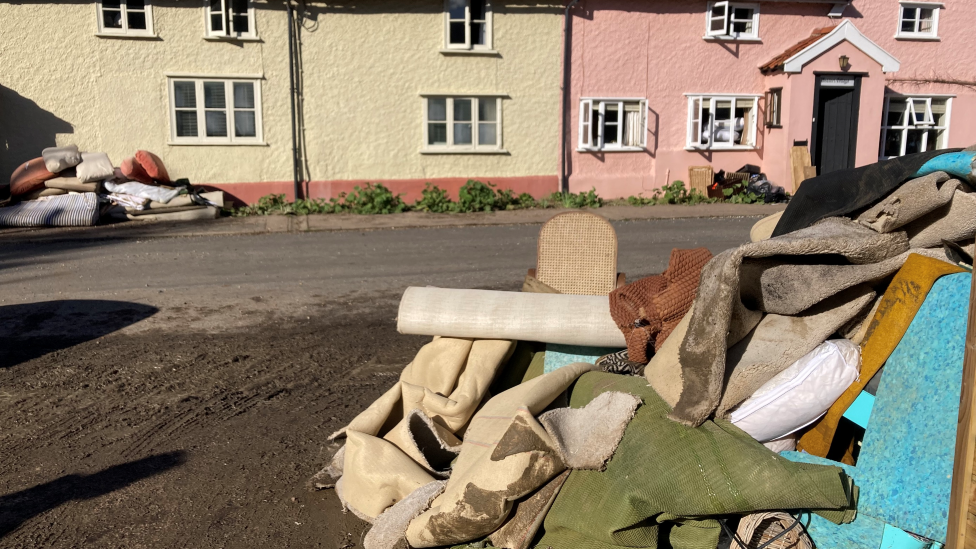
<point x="17" y="508"/>
<point x="35" y="329"/>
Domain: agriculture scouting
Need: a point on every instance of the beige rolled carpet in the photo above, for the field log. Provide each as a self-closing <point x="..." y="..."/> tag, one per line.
<point x="548" y="318"/>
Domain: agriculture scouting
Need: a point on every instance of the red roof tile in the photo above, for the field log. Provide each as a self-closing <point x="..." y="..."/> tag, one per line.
<point x="777" y="62"/>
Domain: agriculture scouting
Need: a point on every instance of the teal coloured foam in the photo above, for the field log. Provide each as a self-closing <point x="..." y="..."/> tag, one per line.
<point x="957" y="164"/>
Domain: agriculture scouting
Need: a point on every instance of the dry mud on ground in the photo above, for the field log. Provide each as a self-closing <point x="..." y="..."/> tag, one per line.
<point x="172" y="438"/>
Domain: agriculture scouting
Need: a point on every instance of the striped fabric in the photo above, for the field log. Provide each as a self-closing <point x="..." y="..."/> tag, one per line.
<point x="70" y="210"/>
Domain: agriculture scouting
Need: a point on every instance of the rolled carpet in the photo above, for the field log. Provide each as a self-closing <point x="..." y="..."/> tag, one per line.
<point x="486" y="314"/>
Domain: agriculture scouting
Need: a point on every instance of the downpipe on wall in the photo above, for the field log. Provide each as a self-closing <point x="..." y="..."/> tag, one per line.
<point x="567" y="58"/>
<point x="291" y="97"/>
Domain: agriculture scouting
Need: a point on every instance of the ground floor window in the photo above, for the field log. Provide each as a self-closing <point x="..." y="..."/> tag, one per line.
<point x="914" y="124"/>
<point x="612" y="124"/>
<point x="215" y="111"/>
<point x="462" y="124"/>
<point x="722" y="121"/>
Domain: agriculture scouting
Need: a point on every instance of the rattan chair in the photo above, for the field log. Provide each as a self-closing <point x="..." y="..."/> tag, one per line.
<point x="578" y="255"/>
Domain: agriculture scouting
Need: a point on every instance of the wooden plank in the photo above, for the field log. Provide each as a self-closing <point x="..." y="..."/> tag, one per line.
<point x="961" y="535"/>
<point x="799" y="159"/>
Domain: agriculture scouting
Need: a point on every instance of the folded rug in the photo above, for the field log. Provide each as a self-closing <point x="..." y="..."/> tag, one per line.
<point x="666" y="479"/>
<point x="720" y="318"/>
<point x="843" y="192"/>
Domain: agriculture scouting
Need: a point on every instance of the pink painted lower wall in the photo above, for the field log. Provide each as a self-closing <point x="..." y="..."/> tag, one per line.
<point x="249" y="193"/>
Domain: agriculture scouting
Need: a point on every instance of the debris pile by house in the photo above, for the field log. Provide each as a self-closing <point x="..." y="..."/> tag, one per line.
<point x="68" y="188"/>
<point x="800" y="390"/>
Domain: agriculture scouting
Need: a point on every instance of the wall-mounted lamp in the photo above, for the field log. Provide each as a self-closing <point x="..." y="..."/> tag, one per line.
<point x="845" y="62"/>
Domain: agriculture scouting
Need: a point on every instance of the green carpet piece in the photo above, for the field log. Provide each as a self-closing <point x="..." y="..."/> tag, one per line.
<point x="666" y="479"/>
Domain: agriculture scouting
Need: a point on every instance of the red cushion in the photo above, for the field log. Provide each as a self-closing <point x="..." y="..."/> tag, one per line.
<point x="153" y="166"/>
<point x="29" y="177"/>
<point x="133" y="171"/>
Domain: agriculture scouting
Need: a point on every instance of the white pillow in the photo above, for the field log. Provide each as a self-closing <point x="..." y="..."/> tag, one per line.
<point x="58" y="159"/>
<point x="800" y="394"/>
<point x="94" y="167"/>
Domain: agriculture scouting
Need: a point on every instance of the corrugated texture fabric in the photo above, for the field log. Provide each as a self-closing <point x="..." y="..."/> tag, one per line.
<point x="648" y="310"/>
<point x="70" y="210"/>
<point x="665" y="477"/>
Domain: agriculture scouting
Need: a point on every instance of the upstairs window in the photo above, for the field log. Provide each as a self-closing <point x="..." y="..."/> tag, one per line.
<point x="732" y="21"/>
<point x="212" y="111"/>
<point x="722" y="121"/>
<point x="918" y="20"/>
<point x="774" y="108"/>
<point x="612" y="124"/>
<point x="467" y="25"/>
<point x="462" y="124"/>
<point x="914" y="124"/>
<point x="230" y="19"/>
<point x="125" y="17"/>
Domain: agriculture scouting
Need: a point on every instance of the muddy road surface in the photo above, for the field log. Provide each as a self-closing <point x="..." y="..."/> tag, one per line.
<point x="177" y="393"/>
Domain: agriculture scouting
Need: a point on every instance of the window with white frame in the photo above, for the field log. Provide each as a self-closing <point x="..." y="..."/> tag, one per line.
<point x="230" y="19"/>
<point x="732" y="21"/>
<point x="462" y="124"/>
<point x="722" y="121"/>
<point x="918" y="20"/>
<point x="125" y="17"/>
<point x="215" y="111"/>
<point x="467" y="24"/>
<point x="612" y="124"/>
<point x="914" y="124"/>
<point x="774" y="108"/>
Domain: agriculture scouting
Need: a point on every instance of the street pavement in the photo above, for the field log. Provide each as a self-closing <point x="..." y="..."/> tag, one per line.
<point x="216" y="283"/>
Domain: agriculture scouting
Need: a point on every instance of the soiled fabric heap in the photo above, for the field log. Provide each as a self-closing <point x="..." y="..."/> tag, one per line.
<point x="398" y="452"/>
<point x="667" y="479"/>
<point x="648" y="310"/>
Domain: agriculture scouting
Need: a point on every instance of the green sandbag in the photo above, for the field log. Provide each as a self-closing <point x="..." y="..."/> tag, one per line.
<point x="666" y="479"/>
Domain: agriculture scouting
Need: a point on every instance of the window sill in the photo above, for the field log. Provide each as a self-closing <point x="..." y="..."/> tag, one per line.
<point x="909" y="37"/>
<point x="732" y="148"/>
<point x="732" y="39"/>
<point x="485" y="53"/>
<point x="232" y="39"/>
<point x="463" y="151"/>
<point x="774" y="126"/>
<point x="609" y="149"/>
<point x="128" y="35"/>
<point x="214" y="144"/>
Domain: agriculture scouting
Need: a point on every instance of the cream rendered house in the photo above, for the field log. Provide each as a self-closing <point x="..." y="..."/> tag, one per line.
<point x="395" y="92"/>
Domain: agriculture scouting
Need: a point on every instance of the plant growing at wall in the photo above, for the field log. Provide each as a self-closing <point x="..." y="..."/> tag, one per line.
<point x="738" y="194"/>
<point x="435" y="200"/>
<point x="374" y="198"/>
<point x="588" y="199"/>
<point x="475" y="196"/>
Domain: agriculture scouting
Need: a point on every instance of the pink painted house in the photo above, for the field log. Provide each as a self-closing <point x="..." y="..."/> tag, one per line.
<point x="658" y="86"/>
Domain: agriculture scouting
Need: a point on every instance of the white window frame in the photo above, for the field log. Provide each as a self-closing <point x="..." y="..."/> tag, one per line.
<point x="593" y="110"/>
<point x="225" y="32"/>
<point x="475" y="147"/>
<point x="229" y="108"/>
<point x="468" y="46"/>
<point x="936" y="7"/>
<point x="125" y="30"/>
<point x="909" y="121"/>
<point x="726" y="32"/>
<point x="694" y="140"/>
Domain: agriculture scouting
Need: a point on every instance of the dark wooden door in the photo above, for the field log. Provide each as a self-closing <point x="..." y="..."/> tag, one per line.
<point x="835" y="124"/>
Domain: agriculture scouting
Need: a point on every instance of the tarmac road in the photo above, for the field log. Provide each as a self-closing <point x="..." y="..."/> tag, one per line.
<point x="177" y="392"/>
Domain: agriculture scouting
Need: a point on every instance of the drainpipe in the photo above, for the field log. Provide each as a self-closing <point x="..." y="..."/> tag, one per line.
<point x="291" y="97"/>
<point x="567" y="59"/>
